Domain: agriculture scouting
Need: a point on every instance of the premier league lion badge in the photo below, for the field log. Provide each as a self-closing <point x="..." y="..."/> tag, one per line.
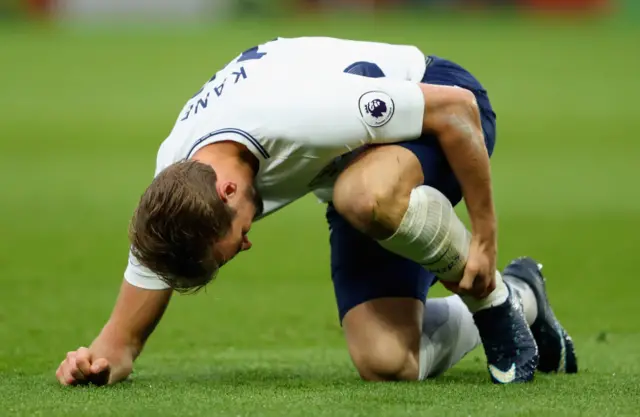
<point x="376" y="108"/>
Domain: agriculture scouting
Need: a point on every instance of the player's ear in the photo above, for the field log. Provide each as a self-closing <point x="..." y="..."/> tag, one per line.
<point x="227" y="190"/>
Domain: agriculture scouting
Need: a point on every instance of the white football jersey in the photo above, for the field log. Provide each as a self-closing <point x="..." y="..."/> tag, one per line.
<point x="299" y="106"/>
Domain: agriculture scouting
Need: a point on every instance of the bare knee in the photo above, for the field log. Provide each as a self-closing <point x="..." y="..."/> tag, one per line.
<point x="385" y="360"/>
<point x="375" y="210"/>
<point x="373" y="193"/>
<point x="383" y="336"/>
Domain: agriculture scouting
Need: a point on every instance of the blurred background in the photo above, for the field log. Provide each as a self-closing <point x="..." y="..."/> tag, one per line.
<point x="90" y="88"/>
<point x="223" y="9"/>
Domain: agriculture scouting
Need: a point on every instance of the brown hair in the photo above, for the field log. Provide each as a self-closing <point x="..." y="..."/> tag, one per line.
<point x="176" y="224"/>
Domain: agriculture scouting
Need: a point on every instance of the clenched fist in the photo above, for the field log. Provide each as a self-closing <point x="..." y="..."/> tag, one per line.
<point x="82" y="367"/>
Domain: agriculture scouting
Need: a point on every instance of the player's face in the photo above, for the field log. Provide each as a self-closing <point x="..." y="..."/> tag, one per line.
<point x="247" y="206"/>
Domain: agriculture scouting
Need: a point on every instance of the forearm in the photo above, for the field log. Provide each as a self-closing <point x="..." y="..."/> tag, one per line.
<point x="135" y="316"/>
<point x="463" y="144"/>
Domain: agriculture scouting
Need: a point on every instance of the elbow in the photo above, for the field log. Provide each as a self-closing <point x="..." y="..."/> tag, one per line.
<point x="460" y="120"/>
<point x="465" y="105"/>
<point x="450" y="111"/>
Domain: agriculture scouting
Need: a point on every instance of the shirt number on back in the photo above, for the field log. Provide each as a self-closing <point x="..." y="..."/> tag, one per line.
<point x="250" y="54"/>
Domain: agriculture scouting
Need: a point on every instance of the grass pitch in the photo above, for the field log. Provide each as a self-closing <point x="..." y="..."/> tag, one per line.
<point x="82" y="112"/>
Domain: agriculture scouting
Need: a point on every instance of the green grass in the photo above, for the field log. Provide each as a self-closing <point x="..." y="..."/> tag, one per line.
<point x="82" y="112"/>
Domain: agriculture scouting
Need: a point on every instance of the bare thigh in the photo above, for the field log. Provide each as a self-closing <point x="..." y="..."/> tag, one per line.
<point x="373" y="192"/>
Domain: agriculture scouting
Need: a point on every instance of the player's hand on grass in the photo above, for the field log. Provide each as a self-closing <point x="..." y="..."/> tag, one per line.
<point x="479" y="278"/>
<point x="81" y="367"/>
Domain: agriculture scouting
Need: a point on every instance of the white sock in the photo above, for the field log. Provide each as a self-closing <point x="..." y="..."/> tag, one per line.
<point x="448" y="334"/>
<point x="529" y="302"/>
<point x="431" y="234"/>
<point x="497" y="297"/>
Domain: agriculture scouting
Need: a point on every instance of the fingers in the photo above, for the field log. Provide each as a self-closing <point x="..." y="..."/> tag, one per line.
<point x="77" y="368"/>
<point x="476" y="282"/>
<point x="83" y="361"/>
<point x="466" y="284"/>
<point x="65" y="377"/>
<point x="68" y="373"/>
<point x="484" y="284"/>
<point x="478" y="279"/>
<point x="100" y="371"/>
<point x="74" y="371"/>
<point x="100" y="365"/>
<point x="60" y="373"/>
<point x="491" y="285"/>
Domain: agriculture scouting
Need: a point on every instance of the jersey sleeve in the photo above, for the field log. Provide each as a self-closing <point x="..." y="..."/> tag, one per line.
<point x="337" y="110"/>
<point x="141" y="277"/>
<point x="340" y="110"/>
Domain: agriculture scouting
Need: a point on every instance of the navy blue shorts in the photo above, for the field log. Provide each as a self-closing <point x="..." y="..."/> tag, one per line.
<point x="361" y="269"/>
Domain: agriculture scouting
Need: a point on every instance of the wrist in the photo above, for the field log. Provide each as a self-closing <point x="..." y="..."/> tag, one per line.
<point x="481" y="213"/>
<point x="114" y="347"/>
<point x="485" y="231"/>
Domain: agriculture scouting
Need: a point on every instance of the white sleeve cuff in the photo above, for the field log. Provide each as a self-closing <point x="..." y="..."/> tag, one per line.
<point x="393" y="113"/>
<point x="141" y="277"/>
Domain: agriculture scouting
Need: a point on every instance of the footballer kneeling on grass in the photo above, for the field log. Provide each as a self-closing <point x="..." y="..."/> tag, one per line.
<point x="391" y="139"/>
